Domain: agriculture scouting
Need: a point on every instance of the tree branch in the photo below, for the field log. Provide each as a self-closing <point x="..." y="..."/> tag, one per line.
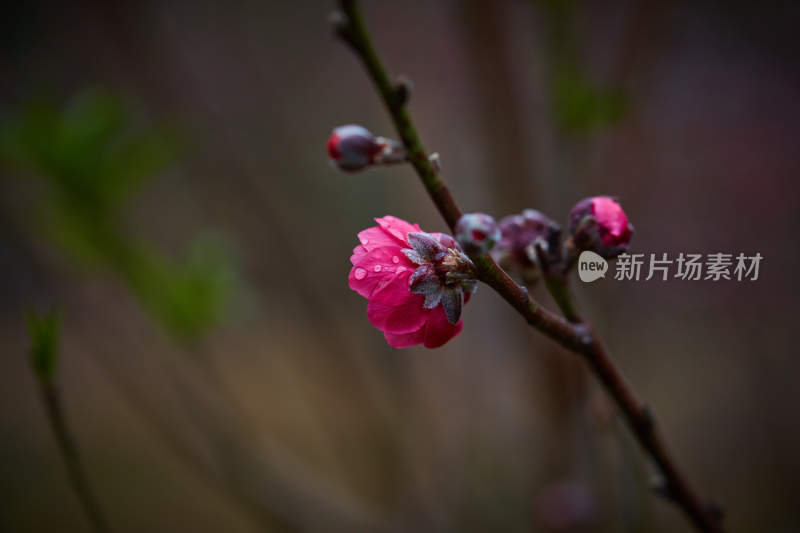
<point x="578" y="336"/>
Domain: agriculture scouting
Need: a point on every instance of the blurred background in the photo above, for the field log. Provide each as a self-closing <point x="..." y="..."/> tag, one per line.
<point x="164" y="187"/>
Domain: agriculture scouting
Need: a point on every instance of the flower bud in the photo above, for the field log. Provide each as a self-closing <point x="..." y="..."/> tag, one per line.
<point x="599" y="224"/>
<point x="520" y="235"/>
<point x="477" y="233"/>
<point x="353" y="148"/>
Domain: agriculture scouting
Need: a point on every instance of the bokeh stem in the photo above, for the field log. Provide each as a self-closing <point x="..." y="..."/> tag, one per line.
<point x="69" y="451"/>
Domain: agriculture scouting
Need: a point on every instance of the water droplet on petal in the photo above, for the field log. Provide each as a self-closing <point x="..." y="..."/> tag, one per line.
<point x="395" y="259"/>
<point x="400" y="269"/>
<point x="360" y="273"/>
<point x="364" y="240"/>
<point x="377" y="268"/>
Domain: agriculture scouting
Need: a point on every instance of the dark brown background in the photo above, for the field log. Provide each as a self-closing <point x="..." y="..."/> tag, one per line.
<point x="478" y="435"/>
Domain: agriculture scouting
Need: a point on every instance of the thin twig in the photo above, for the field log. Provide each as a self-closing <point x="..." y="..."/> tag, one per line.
<point x="69" y="451"/>
<point x="578" y="337"/>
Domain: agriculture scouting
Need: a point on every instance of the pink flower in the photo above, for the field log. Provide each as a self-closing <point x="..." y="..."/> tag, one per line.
<point x="600" y="224"/>
<point x="416" y="282"/>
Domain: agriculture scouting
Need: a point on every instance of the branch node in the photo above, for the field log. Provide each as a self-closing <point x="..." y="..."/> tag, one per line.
<point x="661" y="488"/>
<point x="436" y="162"/>
<point x="402" y="90"/>
<point x="584" y="334"/>
<point x="341" y="27"/>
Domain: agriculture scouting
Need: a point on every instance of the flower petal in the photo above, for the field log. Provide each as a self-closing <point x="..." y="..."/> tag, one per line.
<point x="375" y="237"/>
<point x="612" y="220"/>
<point x="393" y="308"/>
<point x="357" y="252"/>
<point x="438" y="330"/>
<point x="404" y="340"/>
<point x="397" y="227"/>
<point x="372" y="268"/>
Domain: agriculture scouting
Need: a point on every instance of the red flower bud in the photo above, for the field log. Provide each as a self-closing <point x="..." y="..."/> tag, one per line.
<point x="477" y="233"/>
<point x="599" y="224"/>
<point x="353" y="148"/>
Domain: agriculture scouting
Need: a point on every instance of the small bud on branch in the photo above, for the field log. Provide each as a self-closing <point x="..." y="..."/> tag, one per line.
<point x="477" y="233"/>
<point x="353" y="148"/>
<point x="516" y="250"/>
<point x="599" y="224"/>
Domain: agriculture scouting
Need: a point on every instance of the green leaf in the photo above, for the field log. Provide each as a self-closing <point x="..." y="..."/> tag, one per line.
<point x="93" y="155"/>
